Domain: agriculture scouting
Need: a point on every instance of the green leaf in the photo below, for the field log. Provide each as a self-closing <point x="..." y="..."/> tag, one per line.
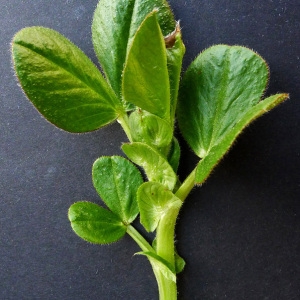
<point x="114" y="26"/>
<point x="174" y="59"/>
<point x="155" y="201"/>
<point x="150" y="129"/>
<point x="160" y="264"/>
<point x="61" y="82"/>
<point x="174" y="154"/>
<point x="117" y="180"/>
<point x="208" y="162"/>
<point x="179" y="263"/>
<point x="217" y="90"/>
<point x="155" y="165"/>
<point x="145" y="78"/>
<point x="95" y="224"/>
<point x="220" y="94"/>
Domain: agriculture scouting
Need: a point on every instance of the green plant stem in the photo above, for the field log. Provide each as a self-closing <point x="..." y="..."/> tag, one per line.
<point x="166" y="249"/>
<point x="165" y="241"/>
<point x="165" y="288"/>
<point x="123" y="120"/>
<point x="139" y="239"/>
<point x="186" y="186"/>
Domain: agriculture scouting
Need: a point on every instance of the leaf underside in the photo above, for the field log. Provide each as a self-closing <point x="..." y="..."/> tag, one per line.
<point x="154" y="202"/>
<point x="150" y="129"/>
<point x="155" y="165"/>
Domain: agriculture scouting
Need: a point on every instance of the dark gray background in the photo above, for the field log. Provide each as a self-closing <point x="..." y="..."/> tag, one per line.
<point x="239" y="233"/>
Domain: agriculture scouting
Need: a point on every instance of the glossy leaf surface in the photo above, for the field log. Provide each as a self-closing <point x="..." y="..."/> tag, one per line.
<point x="155" y="165"/>
<point x="155" y="201"/>
<point x="61" y="82"/>
<point x="145" y="78"/>
<point x="95" y="224"/>
<point x="117" y="180"/>
<point x="150" y="129"/>
<point x="114" y="26"/>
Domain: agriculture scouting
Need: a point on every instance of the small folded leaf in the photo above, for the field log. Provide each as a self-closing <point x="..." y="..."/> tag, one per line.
<point x="114" y="26"/>
<point x="208" y="162"/>
<point x="117" y="180"/>
<point x="145" y="78"/>
<point x="154" y="202"/>
<point x="61" y="82"/>
<point x="155" y="165"/>
<point x="95" y="224"/>
<point x="150" y="129"/>
<point x="179" y="263"/>
<point x="160" y="264"/>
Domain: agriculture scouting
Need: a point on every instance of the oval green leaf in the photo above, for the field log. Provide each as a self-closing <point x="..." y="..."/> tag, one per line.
<point x="61" y="82"/>
<point x="117" y="180"/>
<point x="95" y="224"/>
<point x="220" y="95"/>
<point x="145" y="78"/>
<point x="155" y="165"/>
<point x="155" y="201"/>
<point x="217" y="90"/>
<point x="114" y="26"/>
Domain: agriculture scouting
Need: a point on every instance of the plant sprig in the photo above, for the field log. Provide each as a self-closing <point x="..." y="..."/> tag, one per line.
<point x="140" y="49"/>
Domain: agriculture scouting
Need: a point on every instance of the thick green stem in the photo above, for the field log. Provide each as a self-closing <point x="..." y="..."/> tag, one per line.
<point x="165" y="248"/>
<point x="165" y="287"/>
<point x="165" y="235"/>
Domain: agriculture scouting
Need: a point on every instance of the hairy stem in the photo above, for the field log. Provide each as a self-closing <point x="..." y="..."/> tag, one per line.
<point x="123" y="120"/>
<point x="165" y="287"/>
<point x="186" y="186"/>
<point x="139" y="239"/>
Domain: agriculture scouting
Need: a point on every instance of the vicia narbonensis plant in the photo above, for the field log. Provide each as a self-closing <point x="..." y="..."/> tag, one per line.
<point x="140" y="49"/>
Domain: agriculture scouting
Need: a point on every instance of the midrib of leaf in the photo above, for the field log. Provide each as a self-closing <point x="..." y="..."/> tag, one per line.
<point x="221" y="95"/>
<point x="99" y="222"/>
<point x="117" y="190"/>
<point x="65" y="67"/>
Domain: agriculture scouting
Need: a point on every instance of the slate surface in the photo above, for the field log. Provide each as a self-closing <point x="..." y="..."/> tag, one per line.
<point x="239" y="232"/>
